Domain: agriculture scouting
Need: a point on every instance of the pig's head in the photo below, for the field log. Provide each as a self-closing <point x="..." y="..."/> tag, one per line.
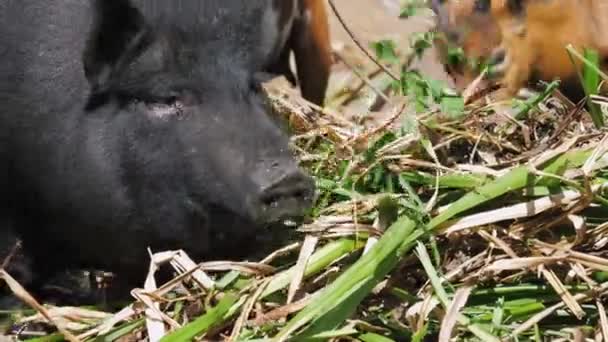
<point x="467" y="24"/>
<point x="194" y="129"/>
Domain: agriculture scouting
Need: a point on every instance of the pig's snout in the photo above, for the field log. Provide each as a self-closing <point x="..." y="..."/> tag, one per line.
<point x="283" y="192"/>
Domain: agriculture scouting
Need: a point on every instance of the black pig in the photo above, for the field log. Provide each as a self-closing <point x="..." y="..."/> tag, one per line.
<point x="134" y="124"/>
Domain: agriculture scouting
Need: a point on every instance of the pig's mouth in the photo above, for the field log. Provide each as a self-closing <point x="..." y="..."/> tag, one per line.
<point x="287" y="210"/>
<point x="277" y="208"/>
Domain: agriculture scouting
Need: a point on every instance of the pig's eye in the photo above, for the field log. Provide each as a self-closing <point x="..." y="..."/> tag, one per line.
<point x="167" y="108"/>
<point x="161" y="107"/>
<point x="170" y="100"/>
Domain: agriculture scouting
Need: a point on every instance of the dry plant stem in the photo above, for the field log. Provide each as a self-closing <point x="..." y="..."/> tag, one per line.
<point x="378" y="129"/>
<point x="451" y="317"/>
<point x="281" y="312"/>
<point x="475" y="147"/>
<point x="294" y="105"/>
<point x="248" y="307"/>
<point x="603" y="319"/>
<point x="355" y="90"/>
<point x="105" y="327"/>
<point x="363" y="78"/>
<point x="474" y="137"/>
<point x="281" y="252"/>
<point x="11" y="255"/>
<point x="545" y="313"/>
<point x="22" y="294"/>
<point x="462" y="267"/>
<point x="516" y="211"/>
<point x="451" y="276"/>
<point x="563" y="293"/>
<point x="499" y="243"/>
<point x="363" y="49"/>
<point x="474" y="93"/>
<point x="573" y="114"/>
<point x="403" y="161"/>
<point x="585" y="259"/>
<point x="308" y="248"/>
<point x="334" y="115"/>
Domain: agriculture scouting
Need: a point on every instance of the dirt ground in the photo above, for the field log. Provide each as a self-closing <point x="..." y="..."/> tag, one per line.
<point x="370" y="21"/>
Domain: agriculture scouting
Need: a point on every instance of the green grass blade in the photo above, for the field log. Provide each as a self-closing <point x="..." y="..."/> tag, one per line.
<point x="120" y="331"/>
<point x="443" y="297"/>
<point x="515" y="179"/>
<point x="355" y="282"/>
<point x="203" y="323"/>
<point x="590" y="80"/>
<point x="319" y="261"/>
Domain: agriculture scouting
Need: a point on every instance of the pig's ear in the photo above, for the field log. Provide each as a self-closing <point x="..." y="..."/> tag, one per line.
<point x="116" y="31"/>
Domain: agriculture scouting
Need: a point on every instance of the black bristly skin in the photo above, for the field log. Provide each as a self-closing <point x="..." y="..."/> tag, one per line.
<point x="133" y="124"/>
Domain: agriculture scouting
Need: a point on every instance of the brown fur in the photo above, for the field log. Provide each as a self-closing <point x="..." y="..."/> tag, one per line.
<point x="536" y="35"/>
<point x="465" y="26"/>
<point x="532" y="34"/>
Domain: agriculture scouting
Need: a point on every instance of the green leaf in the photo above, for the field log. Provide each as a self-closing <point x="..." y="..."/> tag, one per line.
<point x="385" y="51"/>
<point x="387" y="138"/>
<point x="202" y="324"/>
<point x="453" y="106"/>
<point x="455" y="56"/>
<point x="421" y="334"/>
<point x="388" y="211"/>
<point x="420" y="41"/>
<point x="410" y="7"/>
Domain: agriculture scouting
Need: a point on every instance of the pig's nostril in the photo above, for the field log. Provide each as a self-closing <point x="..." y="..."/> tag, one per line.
<point x="291" y="187"/>
<point x="283" y="192"/>
<point x="287" y="197"/>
